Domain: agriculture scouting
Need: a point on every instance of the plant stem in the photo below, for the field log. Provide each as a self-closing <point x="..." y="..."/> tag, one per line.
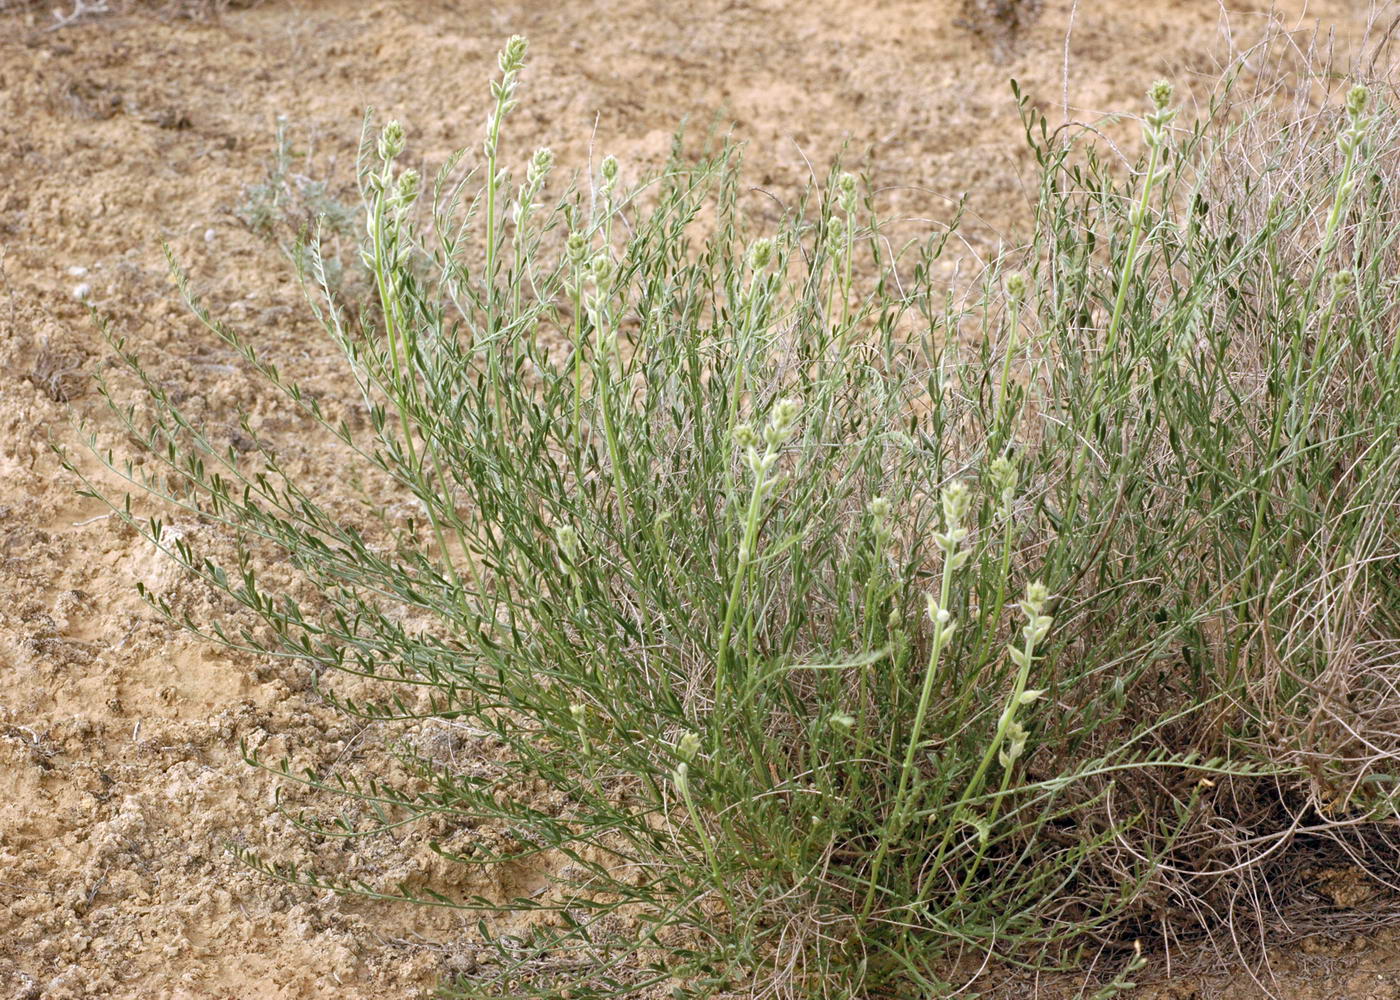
<point x="897" y="819"/>
<point x="741" y="572"/>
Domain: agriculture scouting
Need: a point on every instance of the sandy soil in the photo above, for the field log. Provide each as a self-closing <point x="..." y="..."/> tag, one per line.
<point x="121" y="784"/>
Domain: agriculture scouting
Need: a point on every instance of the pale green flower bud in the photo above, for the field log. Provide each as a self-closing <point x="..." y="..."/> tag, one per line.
<point x="391" y="141"/>
<point x="579" y="713"/>
<point x="1037" y="628"/>
<point x="602" y="270"/>
<point x="512" y="57"/>
<point x="1161" y="94"/>
<point x="567" y="540"/>
<point x="535" y="175"/>
<point x="956" y="500"/>
<point x="1016" y="286"/>
<point x="745" y="436"/>
<point x="1036" y="597"/>
<point x="688" y="747"/>
<point x="760" y="253"/>
<point x="1016" y="745"/>
<point x="785" y="413"/>
<point x="879" y="509"/>
<point x="1004" y="477"/>
<point x="543" y="160"/>
<point x="846" y="192"/>
<point x="842" y="721"/>
<point x="609" y="169"/>
<point x="577" y="249"/>
<point x="406" y="192"/>
<point x="1356" y="101"/>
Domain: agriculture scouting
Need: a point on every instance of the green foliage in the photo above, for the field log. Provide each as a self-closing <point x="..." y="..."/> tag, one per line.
<point x="718" y="532"/>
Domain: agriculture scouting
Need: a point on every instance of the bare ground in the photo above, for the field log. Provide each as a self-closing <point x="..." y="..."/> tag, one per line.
<point x="121" y="783"/>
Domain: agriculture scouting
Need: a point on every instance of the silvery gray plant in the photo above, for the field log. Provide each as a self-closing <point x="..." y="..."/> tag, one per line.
<point x="714" y="529"/>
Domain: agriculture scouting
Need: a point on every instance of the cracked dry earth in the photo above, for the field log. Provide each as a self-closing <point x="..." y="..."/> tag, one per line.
<point x="121" y="781"/>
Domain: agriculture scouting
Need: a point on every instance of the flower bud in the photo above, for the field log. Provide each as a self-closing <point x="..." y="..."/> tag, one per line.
<point x="543" y="160"/>
<point x="609" y="169"/>
<point x="512" y="57"/>
<point x="1160" y="94"/>
<point x="1036" y="596"/>
<point x="760" y="253"/>
<point x="956" y="500"/>
<point x="602" y="270"/>
<point x="1016" y="745"/>
<point x="846" y="192"/>
<point x="391" y="141"/>
<point x="567" y="540"/>
<point x="406" y="191"/>
<point x="688" y="747"/>
<point x="1357" y="97"/>
<point x="577" y="248"/>
<point x="1004" y="477"/>
<point x="784" y="416"/>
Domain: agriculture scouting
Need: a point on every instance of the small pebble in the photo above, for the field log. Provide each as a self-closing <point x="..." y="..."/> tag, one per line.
<point x="82" y="291"/>
<point x="77" y="271"/>
<point x="209" y="235"/>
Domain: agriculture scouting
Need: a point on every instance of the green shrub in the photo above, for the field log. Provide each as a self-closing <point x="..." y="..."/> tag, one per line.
<point x="719" y="531"/>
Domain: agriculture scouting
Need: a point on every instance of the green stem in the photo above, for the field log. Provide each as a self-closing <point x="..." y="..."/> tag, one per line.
<point x="1008" y="716"/>
<point x="604" y="378"/>
<point x="402" y="383"/>
<point x="683" y="783"/>
<point x="1003" y="411"/>
<point x="1125" y="276"/>
<point x="578" y="357"/>
<point x="897" y="819"/>
<point x="989" y="621"/>
<point x="741" y="572"/>
<point x="846" y="279"/>
<point x="1334" y="217"/>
